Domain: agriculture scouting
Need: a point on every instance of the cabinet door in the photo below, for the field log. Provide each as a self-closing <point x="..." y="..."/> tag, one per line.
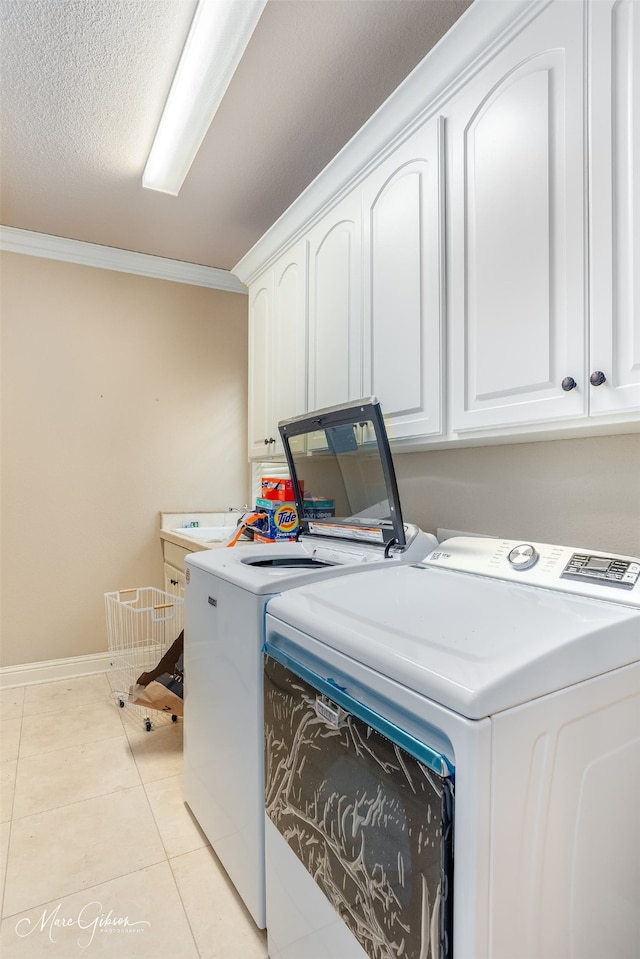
<point x="261" y="434"/>
<point x="402" y="284"/>
<point x="289" y="375"/>
<point x="517" y="273"/>
<point x="335" y="306"/>
<point x="174" y="581"/>
<point x="614" y="32"/>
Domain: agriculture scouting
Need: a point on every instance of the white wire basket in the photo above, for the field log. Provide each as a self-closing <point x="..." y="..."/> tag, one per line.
<point x="142" y="624"/>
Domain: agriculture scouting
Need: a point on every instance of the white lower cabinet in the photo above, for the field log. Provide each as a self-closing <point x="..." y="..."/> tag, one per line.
<point x="174" y="574"/>
<point x="174" y="581"/>
<point x="614" y="145"/>
<point x="517" y="276"/>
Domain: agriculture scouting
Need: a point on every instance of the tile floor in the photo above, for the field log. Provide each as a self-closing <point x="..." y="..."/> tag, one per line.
<point x="99" y="856"/>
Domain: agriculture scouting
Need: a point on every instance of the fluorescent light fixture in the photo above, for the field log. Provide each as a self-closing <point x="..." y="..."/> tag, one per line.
<point x="218" y="36"/>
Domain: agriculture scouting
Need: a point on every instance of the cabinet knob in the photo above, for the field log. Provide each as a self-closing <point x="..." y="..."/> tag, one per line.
<point x="568" y="383"/>
<point x="174" y="582"/>
<point x="269" y="441"/>
<point x="597" y="378"/>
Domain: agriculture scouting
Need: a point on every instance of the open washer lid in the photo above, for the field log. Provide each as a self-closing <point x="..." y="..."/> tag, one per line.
<point x="342" y="454"/>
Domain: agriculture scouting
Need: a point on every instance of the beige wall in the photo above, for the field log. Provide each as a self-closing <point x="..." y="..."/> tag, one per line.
<point x="121" y="396"/>
<point x="578" y="492"/>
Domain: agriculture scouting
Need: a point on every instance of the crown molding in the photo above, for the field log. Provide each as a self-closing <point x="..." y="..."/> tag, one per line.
<point x="484" y="28"/>
<point x="122" y="261"/>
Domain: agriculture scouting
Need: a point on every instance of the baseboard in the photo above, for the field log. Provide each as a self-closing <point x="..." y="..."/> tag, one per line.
<point x="53" y="669"/>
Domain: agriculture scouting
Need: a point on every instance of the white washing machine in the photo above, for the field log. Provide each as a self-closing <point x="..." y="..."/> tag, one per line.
<point x="341" y="454"/>
<point x="453" y="759"/>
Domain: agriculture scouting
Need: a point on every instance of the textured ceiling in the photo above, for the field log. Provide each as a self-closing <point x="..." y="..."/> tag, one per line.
<point x="84" y="83"/>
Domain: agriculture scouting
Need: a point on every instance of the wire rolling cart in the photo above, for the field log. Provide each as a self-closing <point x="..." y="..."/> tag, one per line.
<point x="142" y="623"/>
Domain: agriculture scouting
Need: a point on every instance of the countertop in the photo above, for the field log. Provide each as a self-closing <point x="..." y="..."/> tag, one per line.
<point x="174" y="527"/>
<point x="183" y="540"/>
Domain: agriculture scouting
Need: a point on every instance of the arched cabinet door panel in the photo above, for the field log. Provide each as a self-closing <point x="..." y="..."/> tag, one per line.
<point x="290" y="337"/>
<point x="260" y="361"/>
<point x="517" y="272"/>
<point x="403" y="278"/>
<point x="277" y="350"/>
<point x="335" y="306"/>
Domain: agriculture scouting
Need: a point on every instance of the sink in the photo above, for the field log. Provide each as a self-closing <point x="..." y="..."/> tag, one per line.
<point x="207" y="534"/>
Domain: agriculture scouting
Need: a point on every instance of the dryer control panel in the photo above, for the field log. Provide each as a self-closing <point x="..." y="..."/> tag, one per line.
<point x="606" y="570"/>
<point x="569" y="569"/>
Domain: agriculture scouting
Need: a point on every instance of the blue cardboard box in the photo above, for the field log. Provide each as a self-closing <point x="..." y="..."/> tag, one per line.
<point x="317" y="508"/>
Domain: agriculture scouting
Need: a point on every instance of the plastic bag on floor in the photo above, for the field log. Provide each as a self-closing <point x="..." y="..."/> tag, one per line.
<point x="163" y="687"/>
<point x="167" y="664"/>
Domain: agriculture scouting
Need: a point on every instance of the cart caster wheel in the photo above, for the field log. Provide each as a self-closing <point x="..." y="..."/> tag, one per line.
<point x="121" y="703"/>
<point x="147" y="725"/>
<point x="174" y="719"/>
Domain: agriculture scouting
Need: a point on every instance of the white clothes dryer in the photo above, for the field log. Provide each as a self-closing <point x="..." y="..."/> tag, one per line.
<point x="341" y="454"/>
<point x="453" y="758"/>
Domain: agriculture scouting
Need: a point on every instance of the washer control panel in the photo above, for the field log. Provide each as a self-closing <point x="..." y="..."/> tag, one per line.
<point x="607" y="570"/>
<point x="564" y="568"/>
<point x="523" y="556"/>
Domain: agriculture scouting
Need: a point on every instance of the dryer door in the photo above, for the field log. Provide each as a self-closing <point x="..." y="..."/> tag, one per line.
<point x="370" y="822"/>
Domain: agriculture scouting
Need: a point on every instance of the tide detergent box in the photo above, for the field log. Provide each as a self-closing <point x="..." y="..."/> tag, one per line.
<point x="280" y="523"/>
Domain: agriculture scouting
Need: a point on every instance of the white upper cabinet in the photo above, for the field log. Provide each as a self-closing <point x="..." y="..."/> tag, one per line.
<point x="261" y="354"/>
<point x="402" y="289"/>
<point x="335" y="306"/>
<point x="277" y="350"/>
<point x="516" y="279"/>
<point x="290" y="335"/>
<point x="479" y="272"/>
<point x="614" y="141"/>
<point x="373" y="323"/>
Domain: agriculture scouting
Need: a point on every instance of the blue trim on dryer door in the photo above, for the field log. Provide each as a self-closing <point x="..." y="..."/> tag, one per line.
<point x="337" y="694"/>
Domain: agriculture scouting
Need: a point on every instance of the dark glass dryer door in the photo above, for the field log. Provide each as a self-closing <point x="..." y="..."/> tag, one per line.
<point x="369" y="820"/>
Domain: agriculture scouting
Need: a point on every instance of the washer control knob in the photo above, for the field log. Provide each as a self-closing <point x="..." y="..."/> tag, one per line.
<point x="523" y="556"/>
<point x="568" y="384"/>
<point x="597" y="378"/>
